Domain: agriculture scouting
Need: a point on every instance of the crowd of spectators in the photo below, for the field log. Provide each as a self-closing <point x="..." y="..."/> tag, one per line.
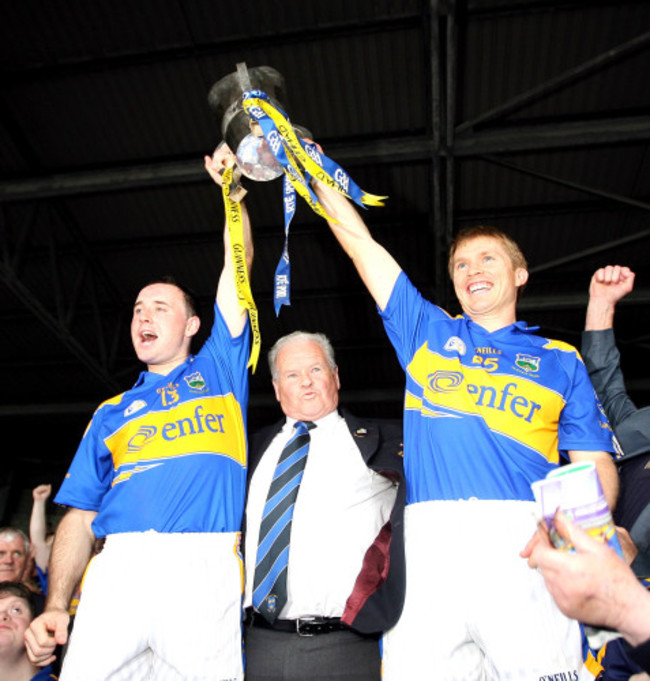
<point x="23" y="586"/>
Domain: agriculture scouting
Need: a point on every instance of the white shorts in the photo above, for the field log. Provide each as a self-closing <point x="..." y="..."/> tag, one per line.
<point x="160" y="606"/>
<point x="474" y="610"/>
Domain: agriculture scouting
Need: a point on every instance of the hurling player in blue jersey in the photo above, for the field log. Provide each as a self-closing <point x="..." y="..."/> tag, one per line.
<point x="489" y="407"/>
<point x="160" y="474"/>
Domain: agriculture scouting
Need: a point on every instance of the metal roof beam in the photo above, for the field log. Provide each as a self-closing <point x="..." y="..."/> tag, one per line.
<point x="493" y="8"/>
<point x="57" y="312"/>
<point x="192" y="51"/>
<point x="522" y="138"/>
<point x="565" y="79"/>
<point x="60" y="331"/>
<point x="592" y="191"/>
<point x="545" y="136"/>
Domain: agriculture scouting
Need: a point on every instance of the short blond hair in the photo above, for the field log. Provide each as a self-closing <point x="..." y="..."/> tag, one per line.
<point x="515" y="253"/>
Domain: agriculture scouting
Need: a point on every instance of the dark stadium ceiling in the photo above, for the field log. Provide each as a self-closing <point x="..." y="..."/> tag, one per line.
<point x="530" y="115"/>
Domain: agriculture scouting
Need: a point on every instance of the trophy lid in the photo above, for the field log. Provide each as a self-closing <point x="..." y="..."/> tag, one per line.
<point x="225" y="101"/>
<point x="225" y="98"/>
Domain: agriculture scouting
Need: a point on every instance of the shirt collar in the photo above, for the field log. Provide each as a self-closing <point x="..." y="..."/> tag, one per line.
<point x="325" y="421"/>
<point x="520" y="326"/>
<point x="151" y="377"/>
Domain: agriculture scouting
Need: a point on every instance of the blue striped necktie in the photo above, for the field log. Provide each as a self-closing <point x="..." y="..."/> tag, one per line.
<point x="270" y="582"/>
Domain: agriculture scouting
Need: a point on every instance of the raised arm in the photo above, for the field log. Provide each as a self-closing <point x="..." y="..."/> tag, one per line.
<point x="608" y="285"/>
<point x="376" y="266"/>
<point x="71" y="551"/>
<point x="227" y="299"/>
<point x="38" y="526"/>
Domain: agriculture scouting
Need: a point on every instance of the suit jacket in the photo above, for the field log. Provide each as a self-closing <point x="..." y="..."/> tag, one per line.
<point x="632" y="428"/>
<point x="603" y="362"/>
<point x="376" y="601"/>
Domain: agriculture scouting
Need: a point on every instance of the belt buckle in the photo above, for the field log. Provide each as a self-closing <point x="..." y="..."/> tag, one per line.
<point x="303" y="620"/>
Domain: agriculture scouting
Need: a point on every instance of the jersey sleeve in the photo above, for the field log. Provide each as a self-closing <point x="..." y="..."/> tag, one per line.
<point x="583" y="424"/>
<point x="603" y="363"/>
<point x="406" y="318"/>
<point x="91" y="471"/>
<point x="230" y="354"/>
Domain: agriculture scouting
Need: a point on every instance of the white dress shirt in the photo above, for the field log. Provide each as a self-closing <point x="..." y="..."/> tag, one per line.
<point x="341" y="507"/>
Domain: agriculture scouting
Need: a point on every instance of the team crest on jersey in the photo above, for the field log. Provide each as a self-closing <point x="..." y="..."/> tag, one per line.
<point x="136" y="405"/>
<point x="455" y="344"/>
<point x="528" y="363"/>
<point x="196" y="382"/>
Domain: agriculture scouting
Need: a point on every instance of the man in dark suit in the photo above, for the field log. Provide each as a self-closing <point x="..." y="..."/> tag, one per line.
<point x="609" y="285"/>
<point x="320" y="613"/>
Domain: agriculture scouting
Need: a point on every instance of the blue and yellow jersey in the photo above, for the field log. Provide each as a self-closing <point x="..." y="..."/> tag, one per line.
<point x="486" y="414"/>
<point x="44" y="674"/>
<point x="169" y="454"/>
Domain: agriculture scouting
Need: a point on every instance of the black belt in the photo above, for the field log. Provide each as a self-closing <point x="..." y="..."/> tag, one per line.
<point x="303" y="626"/>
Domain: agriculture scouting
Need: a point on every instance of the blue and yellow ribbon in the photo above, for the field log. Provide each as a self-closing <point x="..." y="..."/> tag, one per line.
<point x="301" y="162"/>
<point x="235" y="223"/>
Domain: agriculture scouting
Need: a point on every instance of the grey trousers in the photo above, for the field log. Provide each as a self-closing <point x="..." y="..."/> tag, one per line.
<point x="337" y="656"/>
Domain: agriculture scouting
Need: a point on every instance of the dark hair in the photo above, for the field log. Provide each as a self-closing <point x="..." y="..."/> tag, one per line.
<point x="191" y="300"/>
<point x="18" y="590"/>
